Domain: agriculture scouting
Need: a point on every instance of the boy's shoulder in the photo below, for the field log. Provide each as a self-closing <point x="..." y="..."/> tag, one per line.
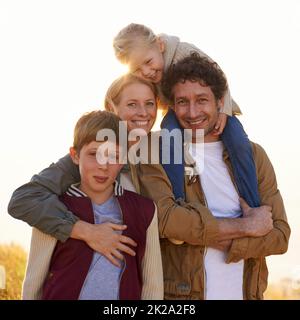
<point x="139" y="206"/>
<point x="133" y="196"/>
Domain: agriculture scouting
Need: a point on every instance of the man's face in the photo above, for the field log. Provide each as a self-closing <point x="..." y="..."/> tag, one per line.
<point x="196" y="108"/>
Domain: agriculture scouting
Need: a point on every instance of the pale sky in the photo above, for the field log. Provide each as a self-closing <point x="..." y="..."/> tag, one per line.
<point x="56" y="62"/>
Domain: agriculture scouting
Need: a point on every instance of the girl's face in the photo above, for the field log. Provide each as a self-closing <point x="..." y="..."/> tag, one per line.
<point x="148" y="62"/>
<point x="137" y="106"/>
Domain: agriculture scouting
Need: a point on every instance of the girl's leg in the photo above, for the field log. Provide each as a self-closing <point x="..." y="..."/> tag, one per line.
<point x="174" y="171"/>
<point x="240" y="153"/>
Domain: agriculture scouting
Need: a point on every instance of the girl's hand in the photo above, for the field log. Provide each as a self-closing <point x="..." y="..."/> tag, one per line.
<point x="220" y="125"/>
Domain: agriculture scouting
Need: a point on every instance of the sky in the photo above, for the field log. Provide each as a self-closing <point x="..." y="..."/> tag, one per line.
<point x="56" y="62"/>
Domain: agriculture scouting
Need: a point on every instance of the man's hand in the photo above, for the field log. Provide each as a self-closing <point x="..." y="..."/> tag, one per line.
<point x="104" y="239"/>
<point x="259" y="220"/>
<point x="220" y="124"/>
<point x="222" y="245"/>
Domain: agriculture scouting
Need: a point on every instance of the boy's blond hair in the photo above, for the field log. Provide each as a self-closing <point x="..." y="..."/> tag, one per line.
<point x="90" y="123"/>
<point x="113" y="93"/>
<point x="129" y="38"/>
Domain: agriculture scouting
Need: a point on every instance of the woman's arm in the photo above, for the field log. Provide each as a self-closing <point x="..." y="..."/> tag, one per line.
<point x="37" y="203"/>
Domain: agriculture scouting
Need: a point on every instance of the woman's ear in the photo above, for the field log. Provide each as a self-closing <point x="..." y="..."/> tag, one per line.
<point x="111" y="108"/>
<point x="74" y="155"/>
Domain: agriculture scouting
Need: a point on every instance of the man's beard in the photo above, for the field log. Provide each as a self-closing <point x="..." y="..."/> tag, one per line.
<point x="209" y="129"/>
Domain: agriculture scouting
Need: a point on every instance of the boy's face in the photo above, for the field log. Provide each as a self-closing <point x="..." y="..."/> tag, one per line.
<point x="148" y="62"/>
<point x="97" y="178"/>
<point x="196" y="108"/>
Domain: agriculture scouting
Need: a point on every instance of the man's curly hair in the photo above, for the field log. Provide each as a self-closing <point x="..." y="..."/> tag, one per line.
<point x="195" y="68"/>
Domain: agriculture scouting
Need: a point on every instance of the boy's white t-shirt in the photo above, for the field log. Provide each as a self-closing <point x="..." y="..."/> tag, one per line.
<point x="223" y="281"/>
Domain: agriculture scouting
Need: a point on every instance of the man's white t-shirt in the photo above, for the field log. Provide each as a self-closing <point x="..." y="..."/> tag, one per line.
<point x="223" y="281"/>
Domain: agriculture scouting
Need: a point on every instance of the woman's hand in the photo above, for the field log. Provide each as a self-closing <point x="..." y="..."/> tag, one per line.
<point x="104" y="239"/>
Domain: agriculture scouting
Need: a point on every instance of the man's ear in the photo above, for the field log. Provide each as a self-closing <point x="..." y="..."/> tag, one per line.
<point x="74" y="155"/>
<point x="161" y="44"/>
<point x="220" y="103"/>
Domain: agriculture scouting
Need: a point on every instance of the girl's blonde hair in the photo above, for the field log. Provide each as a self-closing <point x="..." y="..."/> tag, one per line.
<point x="113" y="94"/>
<point x="129" y="38"/>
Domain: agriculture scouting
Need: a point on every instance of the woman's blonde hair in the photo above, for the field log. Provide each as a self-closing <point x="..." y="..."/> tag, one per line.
<point x="113" y="94"/>
<point x="129" y="38"/>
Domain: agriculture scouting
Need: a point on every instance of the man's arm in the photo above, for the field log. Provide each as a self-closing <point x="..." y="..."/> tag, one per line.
<point x="276" y="241"/>
<point x="193" y="222"/>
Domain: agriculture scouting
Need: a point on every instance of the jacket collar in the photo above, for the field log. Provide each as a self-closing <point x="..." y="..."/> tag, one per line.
<point x="73" y="190"/>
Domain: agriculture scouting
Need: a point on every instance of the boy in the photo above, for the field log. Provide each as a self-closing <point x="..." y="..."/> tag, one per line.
<point x="75" y="270"/>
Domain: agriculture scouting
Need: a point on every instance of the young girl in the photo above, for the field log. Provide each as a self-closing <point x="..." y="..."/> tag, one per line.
<point x="149" y="56"/>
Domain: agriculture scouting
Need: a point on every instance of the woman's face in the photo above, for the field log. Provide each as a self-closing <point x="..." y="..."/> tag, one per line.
<point x="137" y="106"/>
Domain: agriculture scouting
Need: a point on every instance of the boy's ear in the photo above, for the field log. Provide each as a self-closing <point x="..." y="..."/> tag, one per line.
<point x="161" y="44"/>
<point x="74" y="155"/>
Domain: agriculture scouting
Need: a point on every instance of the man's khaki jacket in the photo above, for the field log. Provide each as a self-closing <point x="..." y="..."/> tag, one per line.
<point x="193" y="224"/>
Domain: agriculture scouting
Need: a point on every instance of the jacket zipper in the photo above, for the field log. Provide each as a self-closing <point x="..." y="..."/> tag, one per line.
<point x="124" y="265"/>
<point x="204" y="274"/>
<point x="204" y="254"/>
<point x="205" y="248"/>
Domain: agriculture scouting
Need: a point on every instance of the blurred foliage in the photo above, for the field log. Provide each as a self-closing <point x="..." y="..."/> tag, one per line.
<point x="13" y="259"/>
<point x="286" y="289"/>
